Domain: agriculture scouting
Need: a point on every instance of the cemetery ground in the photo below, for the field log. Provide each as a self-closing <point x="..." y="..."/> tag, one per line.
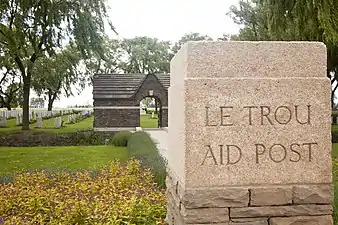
<point x="49" y="183"/>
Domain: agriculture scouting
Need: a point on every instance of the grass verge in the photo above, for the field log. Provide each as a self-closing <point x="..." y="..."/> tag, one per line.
<point x="142" y="147"/>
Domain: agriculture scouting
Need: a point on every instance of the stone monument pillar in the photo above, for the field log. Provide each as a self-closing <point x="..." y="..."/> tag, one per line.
<point x="249" y="134"/>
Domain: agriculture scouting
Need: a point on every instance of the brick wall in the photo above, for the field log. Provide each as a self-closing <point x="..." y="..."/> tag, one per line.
<point x="130" y="117"/>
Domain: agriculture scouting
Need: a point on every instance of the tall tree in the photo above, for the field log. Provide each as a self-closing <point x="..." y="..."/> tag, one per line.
<point x="31" y="29"/>
<point x="37" y="102"/>
<point x="145" y="55"/>
<point x="107" y="61"/>
<point x="189" y="37"/>
<point x="56" y="74"/>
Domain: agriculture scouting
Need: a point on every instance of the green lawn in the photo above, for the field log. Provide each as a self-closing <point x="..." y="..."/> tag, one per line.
<point x="15" y="159"/>
<point x="48" y="126"/>
<point x="147" y="122"/>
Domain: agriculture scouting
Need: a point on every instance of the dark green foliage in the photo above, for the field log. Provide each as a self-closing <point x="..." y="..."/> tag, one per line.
<point x="87" y="138"/>
<point x="142" y="147"/>
<point x="121" y="138"/>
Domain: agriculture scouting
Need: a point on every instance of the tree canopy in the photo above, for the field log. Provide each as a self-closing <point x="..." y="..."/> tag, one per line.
<point x="32" y="29"/>
<point x="56" y="74"/>
<point x="189" y="37"/>
<point x="145" y="55"/>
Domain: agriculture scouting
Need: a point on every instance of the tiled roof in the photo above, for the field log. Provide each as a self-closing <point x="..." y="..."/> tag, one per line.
<point x="122" y="85"/>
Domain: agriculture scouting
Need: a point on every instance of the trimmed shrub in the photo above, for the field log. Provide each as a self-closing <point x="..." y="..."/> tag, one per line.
<point x="27" y="139"/>
<point x="121" y="138"/>
<point x="88" y="138"/>
<point x="120" y="194"/>
<point x="142" y="147"/>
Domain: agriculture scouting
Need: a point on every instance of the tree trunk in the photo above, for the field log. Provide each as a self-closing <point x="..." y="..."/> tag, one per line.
<point x="51" y="99"/>
<point x="50" y="104"/>
<point x="25" y="105"/>
<point x="8" y="106"/>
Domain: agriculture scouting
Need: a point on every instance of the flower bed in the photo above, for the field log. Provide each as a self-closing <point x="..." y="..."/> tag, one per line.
<point x="120" y="194"/>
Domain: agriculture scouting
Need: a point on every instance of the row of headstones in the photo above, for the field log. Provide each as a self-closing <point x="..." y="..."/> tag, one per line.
<point x="42" y="113"/>
<point x="39" y="117"/>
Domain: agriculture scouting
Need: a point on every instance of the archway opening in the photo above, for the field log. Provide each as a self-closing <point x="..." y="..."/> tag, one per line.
<point x="150" y="112"/>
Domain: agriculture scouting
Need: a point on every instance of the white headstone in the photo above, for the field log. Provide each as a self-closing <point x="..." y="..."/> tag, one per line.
<point x="57" y="122"/>
<point x="69" y="118"/>
<point x="152" y="115"/>
<point x="3" y="121"/>
<point x="39" y="122"/>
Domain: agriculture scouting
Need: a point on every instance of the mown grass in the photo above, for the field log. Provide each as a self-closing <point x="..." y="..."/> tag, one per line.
<point x="16" y="159"/>
<point x="147" y="122"/>
<point x="86" y="124"/>
<point x="48" y="126"/>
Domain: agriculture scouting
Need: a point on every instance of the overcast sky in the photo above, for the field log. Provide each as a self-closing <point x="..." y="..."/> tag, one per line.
<point x="165" y="20"/>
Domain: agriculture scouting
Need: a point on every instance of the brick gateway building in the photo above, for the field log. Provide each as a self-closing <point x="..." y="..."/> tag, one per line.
<point x="117" y="99"/>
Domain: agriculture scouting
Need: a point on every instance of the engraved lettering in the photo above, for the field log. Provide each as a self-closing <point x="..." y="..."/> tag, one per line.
<point x="310" y="149"/>
<point x="259" y="152"/>
<point x="221" y="154"/>
<point x="283" y="111"/>
<point x="212" y="155"/>
<point x="239" y="154"/>
<point x="283" y="152"/>
<point x="308" y="115"/>
<point x="207" y="118"/>
<point x="265" y="114"/>
<point x="225" y="115"/>
<point x="297" y="153"/>
<point x="250" y="116"/>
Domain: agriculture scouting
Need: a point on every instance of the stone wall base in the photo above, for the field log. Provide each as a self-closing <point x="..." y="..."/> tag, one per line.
<point x="270" y="205"/>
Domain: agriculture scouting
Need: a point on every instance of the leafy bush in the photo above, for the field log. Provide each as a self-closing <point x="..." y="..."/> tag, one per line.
<point x="142" y="147"/>
<point x="116" y="195"/>
<point x="121" y="138"/>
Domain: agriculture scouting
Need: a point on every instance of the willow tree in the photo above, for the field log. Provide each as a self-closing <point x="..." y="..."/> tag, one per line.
<point x="57" y="74"/>
<point x="30" y="29"/>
